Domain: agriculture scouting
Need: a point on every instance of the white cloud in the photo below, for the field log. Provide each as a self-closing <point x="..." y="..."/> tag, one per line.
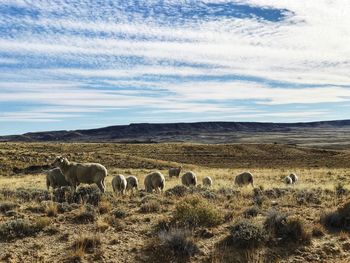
<point x="311" y="46"/>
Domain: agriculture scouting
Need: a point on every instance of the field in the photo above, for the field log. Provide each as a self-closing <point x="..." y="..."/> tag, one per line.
<point x="270" y="223"/>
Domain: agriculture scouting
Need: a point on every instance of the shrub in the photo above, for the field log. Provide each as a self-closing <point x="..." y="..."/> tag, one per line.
<point x="245" y="234"/>
<point x="317" y="231"/>
<point x="286" y="229"/>
<point x="151" y="206"/>
<point x="26" y="195"/>
<point x="195" y="211"/>
<point x="116" y="223"/>
<point x="51" y="209"/>
<point x="85" y="216"/>
<point x="340" y="190"/>
<point x="89" y="194"/>
<point x="87" y="243"/>
<point x="64" y="207"/>
<point x="20" y="228"/>
<point x="7" y="206"/>
<point x="178" y="243"/>
<point x="118" y="213"/>
<point x="104" y="207"/>
<point x="36" y="208"/>
<point x="178" y="190"/>
<point x="339" y="219"/>
<point x="101" y="225"/>
<point x="252" y="211"/>
<point x="305" y="196"/>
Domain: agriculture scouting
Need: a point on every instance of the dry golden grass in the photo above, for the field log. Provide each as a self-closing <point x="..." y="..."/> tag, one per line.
<point x="124" y="231"/>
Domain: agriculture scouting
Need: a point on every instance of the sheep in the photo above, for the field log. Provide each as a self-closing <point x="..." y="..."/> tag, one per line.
<point x="154" y="181"/>
<point x="244" y="179"/>
<point x="132" y="183"/>
<point x="294" y="178"/>
<point x="55" y="178"/>
<point x="119" y="184"/>
<point x="175" y="171"/>
<point x="189" y="179"/>
<point x="87" y="173"/>
<point x="288" y="180"/>
<point x="207" y="181"/>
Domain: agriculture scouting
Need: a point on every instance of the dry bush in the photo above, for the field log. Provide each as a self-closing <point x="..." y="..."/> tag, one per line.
<point x="88" y="194"/>
<point x="7" y="206"/>
<point x="308" y="196"/>
<point x="340" y="190"/>
<point x="114" y="222"/>
<point x="179" y="242"/>
<point x="174" y="245"/>
<point x="151" y="206"/>
<point x="338" y="219"/>
<point x="318" y="230"/>
<point x="26" y="195"/>
<point x="245" y="234"/>
<point x="87" y="243"/>
<point x="101" y="225"/>
<point x="64" y="207"/>
<point x="252" y="212"/>
<point x="117" y="213"/>
<point x="178" y="190"/>
<point x="20" y="228"/>
<point x="286" y="228"/>
<point x="85" y="215"/>
<point x="51" y="209"/>
<point x="194" y="211"/>
<point x="35" y="208"/>
<point x="104" y="207"/>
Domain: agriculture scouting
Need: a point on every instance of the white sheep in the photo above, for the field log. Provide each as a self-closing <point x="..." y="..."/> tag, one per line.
<point x="288" y="180"/>
<point x="244" y="178"/>
<point x="294" y="178"/>
<point x="154" y="181"/>
<point x="189" y="179"/>
<point x="86" y="173"/>
<point x="207" y="181"/>
<point x="175" y="171"/>
<point x="119" y="184"/>
<point x="55" y="178"/>
<point x="132" y="183"/>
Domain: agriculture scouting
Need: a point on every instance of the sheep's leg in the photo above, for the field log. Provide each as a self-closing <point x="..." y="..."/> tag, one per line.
<point x="103" y="184"/>
<point x="99" y="184"/>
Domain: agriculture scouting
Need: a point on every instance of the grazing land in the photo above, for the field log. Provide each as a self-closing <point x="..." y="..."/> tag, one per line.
<point x="306" y="222"/>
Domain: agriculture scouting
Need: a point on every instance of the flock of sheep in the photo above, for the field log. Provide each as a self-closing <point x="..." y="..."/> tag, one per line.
<point x="72" y="174"/>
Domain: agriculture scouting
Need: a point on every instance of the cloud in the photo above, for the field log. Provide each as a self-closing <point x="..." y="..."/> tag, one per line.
<point x="248" y="57"/>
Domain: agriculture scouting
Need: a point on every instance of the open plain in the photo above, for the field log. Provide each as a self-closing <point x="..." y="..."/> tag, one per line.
<point x="273" y="222"/>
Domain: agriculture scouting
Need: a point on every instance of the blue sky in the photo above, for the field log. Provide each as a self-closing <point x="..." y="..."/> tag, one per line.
<point x="82" y="64"/>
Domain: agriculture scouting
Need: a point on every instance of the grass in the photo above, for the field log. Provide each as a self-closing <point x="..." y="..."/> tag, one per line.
<point x="194" y="211"/>
<point x="19" y="228"/>
<point x="51" y="209"/>
<point x="7" y="206"/>
<point x="287" y="229"/>
<point x="151" y="206"/>
<point x="85" y="215"/>
<point x="339" y="219"/>
<point x="85" y="243"/>
<point x="246" y="234"/>
<point x="188" y="217"/>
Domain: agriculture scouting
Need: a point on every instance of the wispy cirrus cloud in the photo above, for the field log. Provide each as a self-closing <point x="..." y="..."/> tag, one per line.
<point x="238" y="60"/>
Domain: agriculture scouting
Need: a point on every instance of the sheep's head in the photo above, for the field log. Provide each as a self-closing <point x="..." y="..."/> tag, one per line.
<point x="59" y="161"/>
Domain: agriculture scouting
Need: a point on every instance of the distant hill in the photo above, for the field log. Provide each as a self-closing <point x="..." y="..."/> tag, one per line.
<point x="327" y="132"/>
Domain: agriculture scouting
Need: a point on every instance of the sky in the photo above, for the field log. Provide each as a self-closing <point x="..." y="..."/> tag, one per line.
<point x="79" y="64"/>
